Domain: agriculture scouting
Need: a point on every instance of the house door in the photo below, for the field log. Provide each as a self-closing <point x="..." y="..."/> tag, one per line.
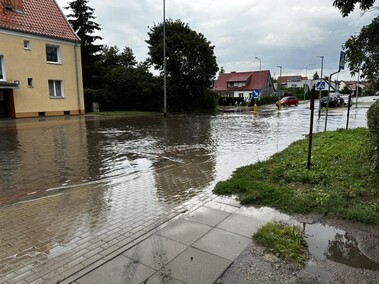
<point x="3" y="105"/>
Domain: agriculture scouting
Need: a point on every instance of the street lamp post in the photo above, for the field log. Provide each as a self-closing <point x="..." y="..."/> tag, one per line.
<point x="319" y="96"/>
<point x="306" y="76"/>
<point x="280" y="76"/>
<point x="260" y="68"/>
<point x="164" y="62"/>
<point x="260" y="63"/>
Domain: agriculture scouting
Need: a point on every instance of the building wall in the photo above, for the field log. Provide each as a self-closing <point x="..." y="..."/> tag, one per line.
<point x="21" y="64"/>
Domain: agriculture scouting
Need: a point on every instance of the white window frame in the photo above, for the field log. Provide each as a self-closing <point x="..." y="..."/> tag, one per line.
<point x="53" y="94"/>
<point x="2" y="68"/>
<point x="57" y="51"/>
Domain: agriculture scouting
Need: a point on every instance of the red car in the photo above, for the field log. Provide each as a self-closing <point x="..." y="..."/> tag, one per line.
<point x="288" y="101"/>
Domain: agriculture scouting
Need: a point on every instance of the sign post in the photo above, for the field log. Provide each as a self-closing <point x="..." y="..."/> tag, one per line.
<point x="340" y="66"/>
<point x="256" y="93"/>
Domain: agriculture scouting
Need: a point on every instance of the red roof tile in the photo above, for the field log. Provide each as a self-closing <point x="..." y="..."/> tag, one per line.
<point x="253" y="79"/>
<point x="39" y="17"/>
<point x="293" y="78"/>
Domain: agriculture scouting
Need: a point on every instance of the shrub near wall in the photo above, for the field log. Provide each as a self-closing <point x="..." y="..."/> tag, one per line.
<point x="373" y="126"/>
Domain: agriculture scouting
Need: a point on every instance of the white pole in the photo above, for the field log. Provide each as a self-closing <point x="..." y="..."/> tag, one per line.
<point x="164" y="61"/>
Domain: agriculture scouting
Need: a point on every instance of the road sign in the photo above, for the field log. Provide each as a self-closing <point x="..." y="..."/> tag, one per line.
<point x="320" y="85"/>
<point x="256" y="93"/>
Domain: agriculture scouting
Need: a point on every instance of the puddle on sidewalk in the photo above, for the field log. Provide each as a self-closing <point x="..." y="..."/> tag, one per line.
<point x="324" y="241"/>
<point x="336" y="245"/>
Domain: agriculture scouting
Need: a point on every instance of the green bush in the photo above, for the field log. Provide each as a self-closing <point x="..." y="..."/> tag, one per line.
<point x="373" y="126"/>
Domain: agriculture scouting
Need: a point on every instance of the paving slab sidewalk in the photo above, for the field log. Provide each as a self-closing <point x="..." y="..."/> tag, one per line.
<point x="195" y="248"/>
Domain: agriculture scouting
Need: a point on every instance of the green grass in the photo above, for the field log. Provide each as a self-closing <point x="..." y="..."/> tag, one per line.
<point x="340" y="182"/>
<point x="286" y="242"/>
<point x="124" y="113"/>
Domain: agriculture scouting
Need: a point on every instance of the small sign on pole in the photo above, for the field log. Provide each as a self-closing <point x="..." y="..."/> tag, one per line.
<point x="320" y="85"/>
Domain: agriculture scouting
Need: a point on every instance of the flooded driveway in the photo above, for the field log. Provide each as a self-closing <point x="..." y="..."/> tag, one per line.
<point x="74" y="190"/>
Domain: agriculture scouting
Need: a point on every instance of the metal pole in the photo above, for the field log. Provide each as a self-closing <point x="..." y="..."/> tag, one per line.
<point x="319" y="96"/>
<point x="356" y="96"/>
<point x="260" y="63"/>
<point x="348" y="112"/>
<point x="327" y="102"/>
<point x="280" y="76"/>
<point x="164" y="62"/>
<point x="260" y="68"/>
<point x="306" y="76"/>
<point x="313" y="95"/>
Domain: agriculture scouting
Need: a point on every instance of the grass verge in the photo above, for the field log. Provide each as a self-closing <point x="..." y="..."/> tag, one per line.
<point x="286" y="242"/>
<point x="340" y="182"/>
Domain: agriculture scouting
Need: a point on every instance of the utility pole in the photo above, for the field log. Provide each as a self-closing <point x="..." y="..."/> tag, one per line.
<point x="280" y="76"/>
<point x="319" y="96"/>
<point x="306" y="76"/>
<point x="164" y="62"/>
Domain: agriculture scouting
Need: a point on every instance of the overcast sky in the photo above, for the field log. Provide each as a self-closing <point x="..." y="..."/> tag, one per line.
<point x="289" y="33"/>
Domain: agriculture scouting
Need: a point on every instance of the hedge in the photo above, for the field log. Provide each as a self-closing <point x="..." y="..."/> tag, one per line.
<point x="373" y="126"/>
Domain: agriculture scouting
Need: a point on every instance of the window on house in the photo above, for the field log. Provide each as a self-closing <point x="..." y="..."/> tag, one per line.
<point x="240" y="95"/>
<point x="52" y="54"/>
<point x="55" y="89"/>
<point x="2" y="72"/>
<point x="26" y="44"/>
<point x="30" y="82"/>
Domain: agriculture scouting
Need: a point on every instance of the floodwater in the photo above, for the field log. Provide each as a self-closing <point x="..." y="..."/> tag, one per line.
<point x="174" y="158"/>
<point x="38" y="156"/>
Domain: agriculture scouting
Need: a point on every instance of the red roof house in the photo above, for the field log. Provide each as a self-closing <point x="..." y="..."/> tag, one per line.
<point x="242" y="84"/>
<point x="38" y="17"/>
<point x="40" y="61"/>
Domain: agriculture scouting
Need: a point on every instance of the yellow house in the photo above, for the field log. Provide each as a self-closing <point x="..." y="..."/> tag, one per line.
<point x="40" y="63"/>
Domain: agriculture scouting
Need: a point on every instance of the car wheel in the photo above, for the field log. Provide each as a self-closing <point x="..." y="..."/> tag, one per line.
<point x="296" y="104"/>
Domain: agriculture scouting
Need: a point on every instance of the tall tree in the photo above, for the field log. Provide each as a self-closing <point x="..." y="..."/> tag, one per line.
<point x="347" y="6"/>
<point x="190" y="61"/>
<point x="362" y="50"/>
<point x="82" y="22"/>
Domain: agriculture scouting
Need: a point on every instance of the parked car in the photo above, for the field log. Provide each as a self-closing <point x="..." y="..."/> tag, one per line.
<point x="288" y="101"/>
<point x="334" y="101"/>
<point x="346" y="100"/>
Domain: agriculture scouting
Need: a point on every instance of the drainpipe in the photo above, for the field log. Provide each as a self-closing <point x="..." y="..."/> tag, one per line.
<point x="77" y="76"/>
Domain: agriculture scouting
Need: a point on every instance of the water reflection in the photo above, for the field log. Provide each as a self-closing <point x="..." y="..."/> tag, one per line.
<point x="337" y="245"/>
<point x="35" y="156"/>
<point x="185" y="153"/>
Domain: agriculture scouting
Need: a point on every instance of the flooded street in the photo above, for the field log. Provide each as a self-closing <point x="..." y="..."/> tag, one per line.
<point x="182" y="153"/>
<point x="76" y="190"/>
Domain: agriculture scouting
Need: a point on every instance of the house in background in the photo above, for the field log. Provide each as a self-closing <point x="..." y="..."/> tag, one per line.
<point x="244" y="84"/>
<point x="40" y="62"/>
<point x="293" y="81"/>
